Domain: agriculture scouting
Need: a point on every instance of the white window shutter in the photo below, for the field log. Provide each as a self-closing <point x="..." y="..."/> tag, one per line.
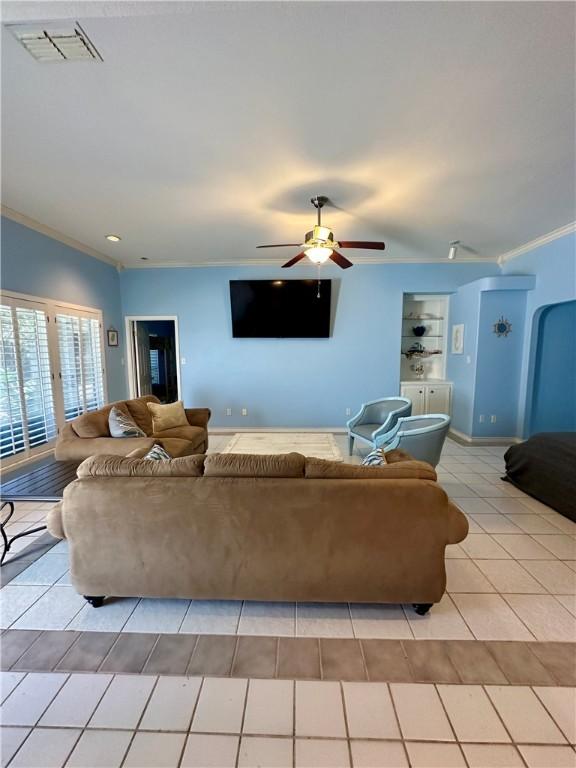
<point x="27" y="417"/>
<point x="81" y="369"/>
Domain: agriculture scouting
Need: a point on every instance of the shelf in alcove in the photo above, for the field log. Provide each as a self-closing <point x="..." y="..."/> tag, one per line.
<point x="420" y="354"/>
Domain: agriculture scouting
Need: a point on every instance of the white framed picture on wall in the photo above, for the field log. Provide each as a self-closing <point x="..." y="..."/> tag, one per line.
<point x="458" y="339"/>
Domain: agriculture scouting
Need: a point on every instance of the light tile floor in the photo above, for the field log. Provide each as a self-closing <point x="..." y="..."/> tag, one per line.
<point x="513" y="578"/>
<point x="92" y="721"/>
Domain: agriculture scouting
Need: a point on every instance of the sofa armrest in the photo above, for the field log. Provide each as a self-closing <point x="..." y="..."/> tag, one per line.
<point x="458" y="525"/>
<point x="54" y="521"/>
<point x="198" y="417"/>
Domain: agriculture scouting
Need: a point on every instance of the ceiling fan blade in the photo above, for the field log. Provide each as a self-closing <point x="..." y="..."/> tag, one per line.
<point x="293" y="261"/>
<point x="280" y="245"/>
<point x="342" y="261"/>
<point x="361" y="244"/>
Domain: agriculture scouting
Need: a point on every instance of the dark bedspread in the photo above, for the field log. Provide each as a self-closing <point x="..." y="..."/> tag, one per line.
<point x="545" y="467"/>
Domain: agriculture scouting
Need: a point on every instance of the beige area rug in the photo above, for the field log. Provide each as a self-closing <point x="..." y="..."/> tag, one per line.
<point x="318" y="445"/>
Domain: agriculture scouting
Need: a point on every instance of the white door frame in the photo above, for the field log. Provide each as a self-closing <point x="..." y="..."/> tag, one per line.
<point x="130" y="357"/>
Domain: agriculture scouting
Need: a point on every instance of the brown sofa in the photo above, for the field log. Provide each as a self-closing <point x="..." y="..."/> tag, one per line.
<point x="88" y="435"/>
<point x="271" y="528"/>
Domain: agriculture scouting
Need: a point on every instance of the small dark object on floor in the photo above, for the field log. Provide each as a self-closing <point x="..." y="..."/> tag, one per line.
<point x="422" y="608"/>
<point x="95" y="602"/>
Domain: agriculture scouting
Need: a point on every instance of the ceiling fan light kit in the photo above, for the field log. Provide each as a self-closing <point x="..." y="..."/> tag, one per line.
<point x="319" y="244"/>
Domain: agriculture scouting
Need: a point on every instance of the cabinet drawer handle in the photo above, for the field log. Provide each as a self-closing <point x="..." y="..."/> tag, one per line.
<point x="420" y="392"/>
<point x="431" y="391"/>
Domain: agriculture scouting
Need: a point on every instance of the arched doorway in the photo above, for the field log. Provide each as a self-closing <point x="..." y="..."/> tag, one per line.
<point x="553" y="402"/>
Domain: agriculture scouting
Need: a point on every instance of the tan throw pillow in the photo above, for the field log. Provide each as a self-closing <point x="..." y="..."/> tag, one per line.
<point x="167" y="416"/>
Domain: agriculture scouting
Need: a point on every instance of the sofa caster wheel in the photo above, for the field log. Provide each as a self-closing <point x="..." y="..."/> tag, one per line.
<point x="422" y="608"/>
<point x="95" y="602"/>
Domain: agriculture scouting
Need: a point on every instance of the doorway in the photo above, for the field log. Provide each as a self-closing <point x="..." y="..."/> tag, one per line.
<point x="153" y="357"/>
<point x="552" y="407"/>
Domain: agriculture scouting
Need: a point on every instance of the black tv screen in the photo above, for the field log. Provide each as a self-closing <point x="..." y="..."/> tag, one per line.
<point x="280" y="309"/>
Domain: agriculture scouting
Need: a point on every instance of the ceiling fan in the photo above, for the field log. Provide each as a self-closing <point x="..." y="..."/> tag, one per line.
<point x="319" y="244"/>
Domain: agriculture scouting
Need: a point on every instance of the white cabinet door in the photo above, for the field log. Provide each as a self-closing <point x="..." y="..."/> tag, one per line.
<point x="416" y="393"/>
<point x="438" y="398"/>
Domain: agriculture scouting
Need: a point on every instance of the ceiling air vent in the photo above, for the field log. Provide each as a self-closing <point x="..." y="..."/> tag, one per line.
<point x="61" y="43"/>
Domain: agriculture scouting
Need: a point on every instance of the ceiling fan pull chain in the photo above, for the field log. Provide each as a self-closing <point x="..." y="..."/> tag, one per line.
<point x="318" y="294"/>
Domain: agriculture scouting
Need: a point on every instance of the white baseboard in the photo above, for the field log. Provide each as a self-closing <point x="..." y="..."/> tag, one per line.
<point x="233" y="430"/>
<point x="462" y="437"/>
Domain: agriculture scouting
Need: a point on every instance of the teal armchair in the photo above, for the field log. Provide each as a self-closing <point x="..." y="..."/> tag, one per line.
<point x="375" y="419"/>
<point x="420" y="436"/>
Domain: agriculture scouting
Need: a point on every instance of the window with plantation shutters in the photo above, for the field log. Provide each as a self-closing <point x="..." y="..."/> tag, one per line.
<point x="51" y="370"/>
<point x="81" y="372"/>
<point x="27" y="412"/>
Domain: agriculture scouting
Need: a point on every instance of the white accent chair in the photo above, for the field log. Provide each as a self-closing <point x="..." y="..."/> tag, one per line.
<point x="420" y="436"/>
<point x="377" y="418"/>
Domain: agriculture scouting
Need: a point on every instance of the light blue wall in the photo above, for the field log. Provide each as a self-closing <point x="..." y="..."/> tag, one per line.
<point x="40" y="266"/>
<point x="554" y="266"/>
<point x="296" y="382"/>
<point x="499" y="362"/>
<point x="290" y="382"/>
<point x="486" y="377"/>
<point x="461" y="369"/>
<point x="554" y="401"/>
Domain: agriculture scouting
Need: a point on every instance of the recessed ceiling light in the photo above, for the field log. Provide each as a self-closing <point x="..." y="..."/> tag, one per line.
<point x="113" y="238"/>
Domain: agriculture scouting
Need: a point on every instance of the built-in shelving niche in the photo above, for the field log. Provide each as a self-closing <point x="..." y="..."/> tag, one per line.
<point x="430" y="311"/>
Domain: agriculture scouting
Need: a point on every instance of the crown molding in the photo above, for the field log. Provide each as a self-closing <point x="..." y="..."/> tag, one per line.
<point x="278" y="262"/>
<point x="567" y="229"/>
<point x="54" y="234"/>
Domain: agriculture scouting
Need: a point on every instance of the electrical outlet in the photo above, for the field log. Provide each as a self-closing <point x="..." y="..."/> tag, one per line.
<point x="228" y="411"/>
<point x="468" y="359"/>
<point x="182" y="361"/>
<point x="348" y="412"/>
<point x="493" y="419"/>
<point x="244" y="412"/>
<point x="481" y="418"/>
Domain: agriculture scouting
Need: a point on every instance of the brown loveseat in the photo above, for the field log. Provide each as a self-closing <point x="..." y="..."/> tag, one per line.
<point x="272" y="528"/>
<point x="88" y="435"/>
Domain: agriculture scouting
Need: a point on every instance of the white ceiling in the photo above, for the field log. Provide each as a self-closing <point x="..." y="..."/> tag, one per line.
<point x="209" y="126"/>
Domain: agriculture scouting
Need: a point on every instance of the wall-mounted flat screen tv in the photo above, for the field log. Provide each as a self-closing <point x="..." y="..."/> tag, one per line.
<point x="280" y="309"/>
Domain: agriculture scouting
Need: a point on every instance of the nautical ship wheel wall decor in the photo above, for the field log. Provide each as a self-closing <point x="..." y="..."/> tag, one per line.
<point x="502" y="327"/>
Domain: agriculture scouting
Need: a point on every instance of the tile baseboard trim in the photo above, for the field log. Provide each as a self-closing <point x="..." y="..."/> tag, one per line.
<point x="286" y="658"/>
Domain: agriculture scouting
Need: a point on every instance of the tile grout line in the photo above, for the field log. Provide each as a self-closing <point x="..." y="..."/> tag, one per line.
<point x="499" y="716"/>
<point x="364" y="662"/>
<point x="29" y="607"/>
<point x="234" y="655"/>
<point x="294" y="724"/>
<point x="246" y="692"/>
<point x="35" y="725"/>
<point x="279" y="736"/>
<point x="397" y="720"/>
<point x="192" y="716"/>
<point x="136" y="729"/>
<point x="345" y="716"/>
<point x="452" y="728"/>
<point x="84" y="728"/>
<point x="562" y="731"/>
